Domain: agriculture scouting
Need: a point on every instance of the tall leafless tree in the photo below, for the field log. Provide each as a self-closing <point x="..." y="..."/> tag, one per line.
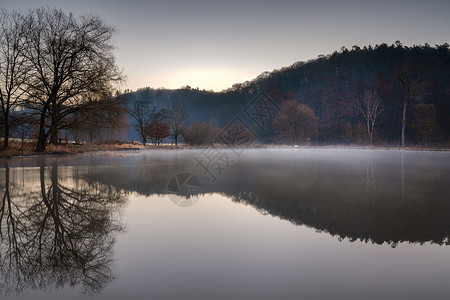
<point x="296" y="122"/>
<point x="56" y="234"/>
<point x="100" y="120"/>
<point x="139" y="112"/>
<point x="370" y="107"/>
<point x="178" y="118"/>
<point x="411" y="77"/>
<point x="72" y="62"/>
<point x="13" y="69"/>
<point x="146" y="116"/>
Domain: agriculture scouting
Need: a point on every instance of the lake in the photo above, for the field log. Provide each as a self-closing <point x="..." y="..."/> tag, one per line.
<point x="226" y="224"/>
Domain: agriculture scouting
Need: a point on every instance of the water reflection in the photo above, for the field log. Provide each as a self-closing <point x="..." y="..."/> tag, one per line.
<point x="56" y="231"/>
<point x="59" y="217"/>
<point x="377" y="196"/>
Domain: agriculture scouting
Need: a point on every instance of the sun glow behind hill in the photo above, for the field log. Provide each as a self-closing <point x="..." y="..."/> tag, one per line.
<point x="216" y="79"/>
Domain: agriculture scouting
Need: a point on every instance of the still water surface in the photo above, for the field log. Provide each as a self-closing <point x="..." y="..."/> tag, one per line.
<point x="199" y="224"/>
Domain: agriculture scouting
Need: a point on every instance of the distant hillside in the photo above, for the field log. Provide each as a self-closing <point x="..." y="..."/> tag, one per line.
<point x="331" y="85"/>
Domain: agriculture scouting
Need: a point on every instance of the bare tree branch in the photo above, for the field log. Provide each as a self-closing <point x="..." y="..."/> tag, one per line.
<point x="72" y="61"/>
<point x="370" y="107"/>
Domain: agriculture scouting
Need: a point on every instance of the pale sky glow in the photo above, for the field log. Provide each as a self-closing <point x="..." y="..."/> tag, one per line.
<point x="213" y="44"/>
<point x="213" y="78"/>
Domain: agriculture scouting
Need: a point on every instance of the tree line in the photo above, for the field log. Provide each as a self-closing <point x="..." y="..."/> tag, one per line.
<point x="388" y="95"/>
<point x="384" y="95"/>
<point x="157" y="123"/>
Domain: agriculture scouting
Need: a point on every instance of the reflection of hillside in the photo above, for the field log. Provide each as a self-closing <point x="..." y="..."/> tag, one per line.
<point x="356" y="196"/>
<point x="362" y="202"/>
<point x="55" y="233"/>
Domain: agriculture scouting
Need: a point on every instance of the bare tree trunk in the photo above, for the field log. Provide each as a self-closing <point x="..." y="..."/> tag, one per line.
<point x="404" y="124"/>
<point x="369" y="133"/>
<point x="144" y="139"/>
<point x="411" y="77"/>
<point x="372" y="129"/>
<point x="42" y="139"/>
<point x="53" y="131"/>
<point x="6" y="137"/>
<point x="54" y="137"/>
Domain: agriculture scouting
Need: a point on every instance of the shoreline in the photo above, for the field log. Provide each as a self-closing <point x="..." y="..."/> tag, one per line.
<point x="72" y="149"/>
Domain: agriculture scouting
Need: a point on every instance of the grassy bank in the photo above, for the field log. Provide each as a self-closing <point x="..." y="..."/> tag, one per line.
<point x="17" y="149"/>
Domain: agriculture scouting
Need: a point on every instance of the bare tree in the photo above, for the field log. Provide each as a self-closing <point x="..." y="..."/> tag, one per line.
<point x="370" y="107"/>
<point x="13" y="69"/>
<point x="146" y="116"/>
<point x="61" y="234"/>
<point x="105" y="118"/>
<point x="426" y="123"/>
<point x="296" y="121"/>
<point x="199" y="133"/>
<point x="139" y="112"/>
<point x="115" y="122"/>
<point x="178" y="118"/>
<point x="411" y="78"/>
<point x="72" y="61"/>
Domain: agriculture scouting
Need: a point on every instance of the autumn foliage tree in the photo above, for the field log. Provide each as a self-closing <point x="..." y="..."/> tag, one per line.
<point x="157" y="131"/>
<point x="296" y="122"/>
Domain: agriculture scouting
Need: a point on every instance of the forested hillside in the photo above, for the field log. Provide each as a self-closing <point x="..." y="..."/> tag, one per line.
<point x="414" y="79"/>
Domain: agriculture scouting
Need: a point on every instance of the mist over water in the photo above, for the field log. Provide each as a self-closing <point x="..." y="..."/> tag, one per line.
<point x="262" y="223"/>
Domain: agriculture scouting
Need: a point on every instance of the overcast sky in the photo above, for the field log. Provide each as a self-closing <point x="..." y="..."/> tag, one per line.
<point x="213" y="44"/>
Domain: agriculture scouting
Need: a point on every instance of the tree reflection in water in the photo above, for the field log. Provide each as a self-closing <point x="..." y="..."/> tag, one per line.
<point x="58" y="228"/>
<point x="57" y="232"/>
